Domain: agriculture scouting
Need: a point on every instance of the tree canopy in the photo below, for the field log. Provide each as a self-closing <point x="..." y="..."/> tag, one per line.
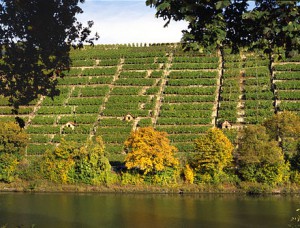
<point x="149" y="151"/>
<point x="285" y="128"/>
<point x="213" y="152"/>
<point x="259" y="158"/>
<point x="13" y="142"/>
<point x="36" y="37"/>
<point x="13" y="139"/>
<point x="232" y="22"/>
<point x="72" y="162"/>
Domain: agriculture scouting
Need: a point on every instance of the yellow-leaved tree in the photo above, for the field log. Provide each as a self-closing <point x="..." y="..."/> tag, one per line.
<point x="149" y="151"/>
<point x="72" y="162"/>
<point x="213" y="153"/>
<point x="13" y="141"/>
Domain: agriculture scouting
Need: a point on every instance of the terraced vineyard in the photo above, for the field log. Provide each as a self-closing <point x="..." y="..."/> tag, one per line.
<point x="112" y="89"/>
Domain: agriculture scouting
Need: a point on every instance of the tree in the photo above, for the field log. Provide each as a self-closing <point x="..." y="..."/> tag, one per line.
<point x="58" y="165"/>
<point x="13" y="141"/>
<point x="274" y="24"/>
<point x="91" y="164"/>
<point x="259" y="158"/>
<point x="36" y="37"/>
<point x="211" y="23"/>
<point x="149" y="151"/>
<point x="230" y="22"/>
<point x="213" y="152"/>
<point x="285" y="128"/>
<point x="71" y="162"/>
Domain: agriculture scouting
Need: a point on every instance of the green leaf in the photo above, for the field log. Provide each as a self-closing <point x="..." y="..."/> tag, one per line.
<point x="222" y="4"/>
<point x="163" y="6"/>
<point x="151" y="2"/>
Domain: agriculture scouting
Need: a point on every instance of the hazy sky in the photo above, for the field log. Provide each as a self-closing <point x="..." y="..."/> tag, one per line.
<point x="131" y="21"/>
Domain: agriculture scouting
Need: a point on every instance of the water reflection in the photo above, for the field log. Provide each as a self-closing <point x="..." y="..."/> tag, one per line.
<point x="146" y="210"/>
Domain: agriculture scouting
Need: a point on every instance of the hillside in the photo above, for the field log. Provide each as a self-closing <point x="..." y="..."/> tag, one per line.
<point x="112" y="89"/>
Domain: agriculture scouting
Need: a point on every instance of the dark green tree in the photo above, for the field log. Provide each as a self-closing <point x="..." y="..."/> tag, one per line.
<point x="36" y="37"/>
<point x="274" y="23"/>
<point x="270" y="24"/>
<point x="211" y="23"/>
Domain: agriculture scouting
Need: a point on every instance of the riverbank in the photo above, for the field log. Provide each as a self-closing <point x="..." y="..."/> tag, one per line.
<point x="243" y="188"/>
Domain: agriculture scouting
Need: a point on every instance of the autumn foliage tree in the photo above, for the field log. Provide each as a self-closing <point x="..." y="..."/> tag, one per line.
<point x="13" y="141"/>
<point x="72" y="162"/>
<point x="213" y="152"/>
<point x="149" y="151"/>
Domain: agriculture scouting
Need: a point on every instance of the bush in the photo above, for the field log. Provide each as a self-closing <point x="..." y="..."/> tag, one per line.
<point x="13" y="139"/>
<point x="188" y="174"/>
<point x="8" y="167"/>
<point x="166" y="177"/>
<point x="254" y="188"/>
<point x="13" y="142"/>
<point x="29" y="168"/>
<point x="71" y="162"/>
<point x="131" y="178"/>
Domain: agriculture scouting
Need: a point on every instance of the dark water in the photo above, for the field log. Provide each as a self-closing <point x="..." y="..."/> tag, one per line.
<point x="145" y="210"/>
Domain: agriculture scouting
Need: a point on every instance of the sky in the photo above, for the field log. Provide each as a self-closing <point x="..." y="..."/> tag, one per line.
<point x="123" y="22"/>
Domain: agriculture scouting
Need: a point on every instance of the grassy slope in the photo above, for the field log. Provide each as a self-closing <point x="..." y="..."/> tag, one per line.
<point x="174" y="91"/>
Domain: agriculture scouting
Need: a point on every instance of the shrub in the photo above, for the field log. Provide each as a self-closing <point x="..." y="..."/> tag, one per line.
<point x="13" y="142"/>
<point x="166" y="177"/>
<point x="131" y="178"/>
<point x="92" y="167"/>
<point x="71" y="162"/>
<point x="188" y="174"/>
<point x="8" y="167"/>
<point x="13" y="139"/>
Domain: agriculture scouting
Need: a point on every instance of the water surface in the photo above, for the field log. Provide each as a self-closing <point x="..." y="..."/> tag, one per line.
<point x="145" y="210"/>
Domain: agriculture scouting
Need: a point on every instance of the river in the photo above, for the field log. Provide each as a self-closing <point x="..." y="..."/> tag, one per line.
<point x="145" y="210"/>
